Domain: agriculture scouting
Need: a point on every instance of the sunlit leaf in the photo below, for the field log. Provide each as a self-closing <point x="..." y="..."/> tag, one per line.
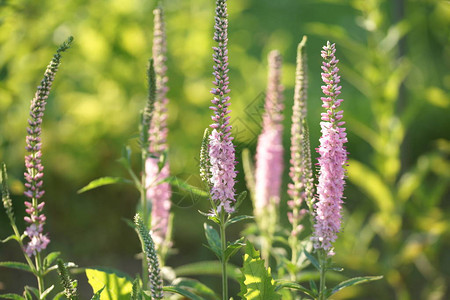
<point x="238" y="219"/>
<point x="354" y="281"/>
<point x="293" y="285"/>
<point x="256" y="281"/>
<point x="196" y="287"/>
<point x="371" y="183"/>
<point x="182" y="292"/>
<point x="117" y="285"/>
<point x="103" y="181"/>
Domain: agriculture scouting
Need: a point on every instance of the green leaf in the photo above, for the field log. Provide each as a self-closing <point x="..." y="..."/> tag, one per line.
<point x="11" y="237"/>
<point x="354" y="281"/>
<point x="162" y="161"/>
<point x="196" y="287"/>
<point x="117" y="285"/>
<point x="249" y="170"/>
<point x="33" y="290"/>
<point x="12" y="296"/>
<point x="238" y="219"/>
<point x="233" y="248"/>
<point x="257" y="282"/>
<point x="240" y="199"/>
<point x="371" y="183"/>
<point x="181" y="291"/>
<point x="59" y="296"/>
<point x="174" y="181"/>
<point x="50" y="258"/>
<point x="214" y="219"/>
<point x="103" y="181"/>
<point x="15" y="265"/>
<point x="213" y="240"/>
<point x="207" y="268"/>
<point x="312" y="259"/>
<point x="313" y="286"/>
<point x="97" y="295"/>
<point x="46" y="292"/>
<point x="55" y="267"/>
<point x="295" y="286"/>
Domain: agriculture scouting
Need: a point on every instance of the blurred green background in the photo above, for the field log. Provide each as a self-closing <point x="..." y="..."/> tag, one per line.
<point x="395" y="57"/>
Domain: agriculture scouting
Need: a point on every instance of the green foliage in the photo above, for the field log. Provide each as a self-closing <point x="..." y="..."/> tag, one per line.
<point x="117" y="286"/>
<point x="195" y="287"/>
<point x="11" y="296"/>
<point x="207" y="268"/>
<point x="256" y="281"/>
<point x="15" y="265"/>
<point x="213" y="239"/>
<point x="101" y="182"/>
<point x="352" y="282"/>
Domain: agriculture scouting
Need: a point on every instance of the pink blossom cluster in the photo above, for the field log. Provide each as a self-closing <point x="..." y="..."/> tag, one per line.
<point x="269" y="151"/>
<point x="221" y="149"/>
<point x="157" y="192"/>
<point x="333" y="157"/>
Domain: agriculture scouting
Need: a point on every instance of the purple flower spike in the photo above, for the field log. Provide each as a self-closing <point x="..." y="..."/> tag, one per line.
<point x="333" y="157"/>
<point x="221" y="149"/>
<point x="158" y="193"/>
<point x="34" y="169"/>
<point x="269" y="152"/>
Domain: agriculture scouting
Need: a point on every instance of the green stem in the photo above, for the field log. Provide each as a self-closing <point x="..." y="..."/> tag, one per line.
<point x="224" y="263"/>
<point x="39" y="276"/>
<point x="323" y="270"/>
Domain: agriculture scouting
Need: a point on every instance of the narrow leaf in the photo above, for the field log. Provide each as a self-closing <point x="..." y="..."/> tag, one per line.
<point x="249" y="170"/>
<point x="11" y="237"/>
<point x="294" y="286"/>
<point x="354" y="281"/>
<point x="12" y="296"/>
<point x="46" y="292"/>
<point x="213" y="240"/>
<point x="181" y="291"/>
<point x="174" y="181"/>
<point x="241" y="197"/>
<point x="233" y="248"/>
<point x="312" y="259"/>
<point x="207" y="268"/>
<point x="50" y="258"/>
<point x="196" y="287"/>
<point x="238" y="219"/>
<point x="15" y="265"/>
<point x="103" y="181"/>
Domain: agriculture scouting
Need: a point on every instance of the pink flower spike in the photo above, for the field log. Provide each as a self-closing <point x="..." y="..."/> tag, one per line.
<point x="333" y="158"/>
<point x="269" y="152"/>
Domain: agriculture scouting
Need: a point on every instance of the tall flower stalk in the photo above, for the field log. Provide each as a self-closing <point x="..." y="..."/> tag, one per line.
<point x="221" y="152"/>
<point x="33" y="241"/>
<point x="333" y="157"/>
<point x="301" y="189"/>
<point x="158" y="193"/>
<point x="269" y="157"/>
